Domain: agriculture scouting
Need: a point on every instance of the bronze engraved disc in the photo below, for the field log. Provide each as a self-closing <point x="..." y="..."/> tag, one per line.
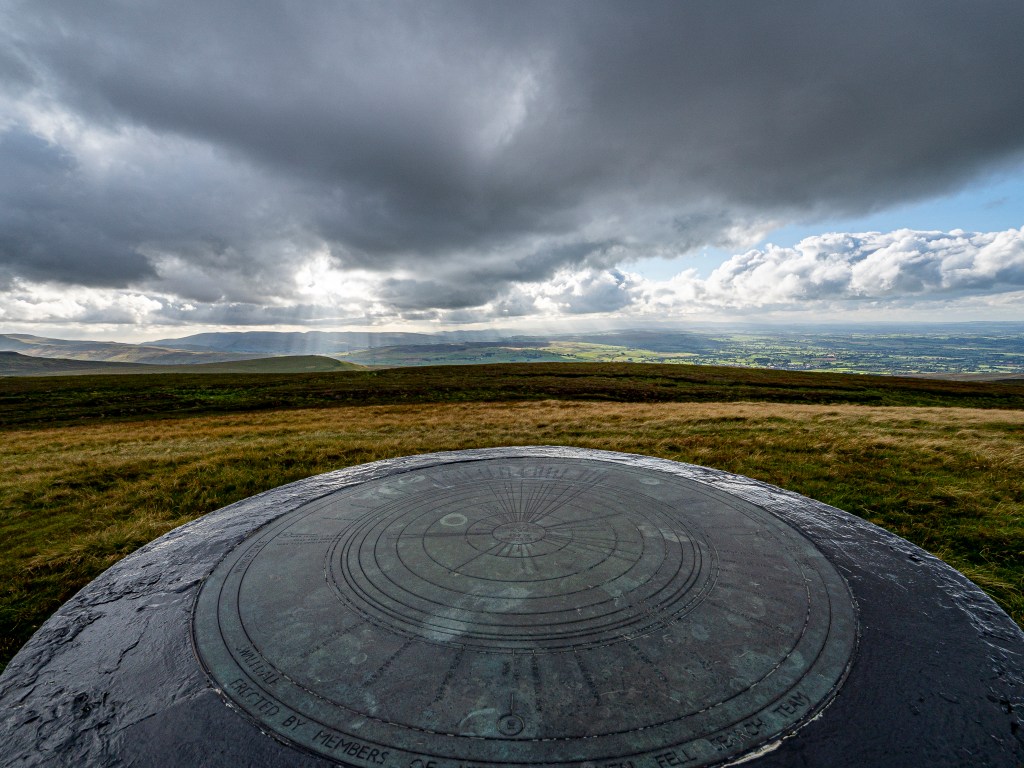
<point x="530" y="611"/>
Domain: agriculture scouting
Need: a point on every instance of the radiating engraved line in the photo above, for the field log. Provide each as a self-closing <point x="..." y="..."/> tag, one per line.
<point x="518" y="499"/>
<point x="387" y="663"/>
<point x="446" y="681"/>
<point x="505" y="514"/>
<point x="513" y="499"/>
<point x="527" y="555"/>
<point x="499" y="489"/>
<point x="546" y="493"/>
<point x="538" y="684"/>
<point x="590" y="547"/>
<point x="647" y="660"/>
<point x="438" y="535"/>
<point x="582" y="540"/>
<point x="536" y="494"/>
<point x="549" y="501"/>
<point x="331" y="638"/>
<point x="604" y="551"/>
<point x="529" y="494"/>
<point x="561" y="536"/>
<point x="559" y="502"/>
<point x="485" y="552"/>
<point x="592" y="526"/>
<point x="546" y="499"/>
<point x="588" y="678"/>
<point x="520" y="502"/>
<point x="584" y="522"/>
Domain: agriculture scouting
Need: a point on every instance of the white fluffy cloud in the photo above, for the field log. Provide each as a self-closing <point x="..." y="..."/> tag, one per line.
<point x="873" y="266"/>
<point x="851" y="273"/>
<point x="854" y="274"/>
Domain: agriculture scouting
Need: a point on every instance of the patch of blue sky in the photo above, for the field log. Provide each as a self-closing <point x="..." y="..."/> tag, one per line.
<point x="980" y="207"/>
<point x="993" y="204"/>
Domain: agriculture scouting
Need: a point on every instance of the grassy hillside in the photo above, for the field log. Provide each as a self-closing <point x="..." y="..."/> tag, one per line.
<point x="16" y="364"/>
<point x="111" y="351"/>
<point x="45" y="401"/>
<point x="97" y="466"/>
<point x="264" y="365"/>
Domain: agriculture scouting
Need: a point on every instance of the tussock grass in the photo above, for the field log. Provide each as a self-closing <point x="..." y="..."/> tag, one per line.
<point x="73" y="500"/>
<point x="31" y="402"/>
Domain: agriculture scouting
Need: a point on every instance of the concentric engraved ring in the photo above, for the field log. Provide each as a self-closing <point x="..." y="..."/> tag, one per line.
<point x="527" y="611"/>
<point x="520" y="535"/>
<point x="538" y="564"/>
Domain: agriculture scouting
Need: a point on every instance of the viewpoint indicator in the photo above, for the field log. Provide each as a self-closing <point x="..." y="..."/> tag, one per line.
<point x="530" y="611"/>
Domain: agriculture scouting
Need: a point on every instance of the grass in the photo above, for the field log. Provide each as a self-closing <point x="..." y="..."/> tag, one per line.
<point x="16" y="364"/>
<point x="79" y="494"/>
<point x="32" y="402"/>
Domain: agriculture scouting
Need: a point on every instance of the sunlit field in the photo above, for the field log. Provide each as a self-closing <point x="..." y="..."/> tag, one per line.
<point x="76" y="498"/>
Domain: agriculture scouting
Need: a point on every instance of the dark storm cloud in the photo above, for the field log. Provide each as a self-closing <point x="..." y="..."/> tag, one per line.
<point x="485" y="144"/>
<point x="50" y="227"/>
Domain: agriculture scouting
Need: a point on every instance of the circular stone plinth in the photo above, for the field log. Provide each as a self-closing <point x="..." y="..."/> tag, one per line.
<point x="528" y="611"/>
<point x="522" y="606"/>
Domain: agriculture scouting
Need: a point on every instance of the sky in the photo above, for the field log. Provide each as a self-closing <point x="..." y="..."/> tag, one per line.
<point x="170" y="168"/>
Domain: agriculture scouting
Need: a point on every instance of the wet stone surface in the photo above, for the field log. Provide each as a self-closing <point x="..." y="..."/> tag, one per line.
<point x="528" y="611"/>
<point x="521" y="606"/>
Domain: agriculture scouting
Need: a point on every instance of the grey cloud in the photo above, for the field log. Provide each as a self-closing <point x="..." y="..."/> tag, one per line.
<point x="487" y="144"/>
<point x="15" y="74"/>
<point x="538" y="263"/>
<point x="516" y="304"/>
<point x="602" y="292"/>
<point x="201" y="228"/>
<point x="51" y="225"/>
<point x="426" y="294"/>
<point x="250" y="314"/>
<point x="471" y="280"/>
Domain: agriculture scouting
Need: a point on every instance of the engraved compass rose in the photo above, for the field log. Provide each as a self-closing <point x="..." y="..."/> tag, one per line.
<point x="501" y="611"/>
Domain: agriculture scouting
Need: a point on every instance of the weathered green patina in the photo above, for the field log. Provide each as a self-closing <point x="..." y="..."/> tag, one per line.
<point x="539" y="611"/>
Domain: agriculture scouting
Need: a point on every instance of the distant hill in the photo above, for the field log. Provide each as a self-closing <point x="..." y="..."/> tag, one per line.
<point x="957" y="349"/>
<point x="294" y="343"/>
<point x="17" y="364"/>
<point x="346" y="342"/>
<point x="279" y="364"/>
<point x="454" y="347"/>
<point x="110" y="351"/>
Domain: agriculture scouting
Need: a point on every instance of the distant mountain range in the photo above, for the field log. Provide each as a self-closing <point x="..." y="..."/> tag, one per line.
<point x="979" y="349"/>
<point x="974" y="349"/>
<point x="320" y="342"/>
<point x="111" y="351"/>
<point x="17" y="364"/>
<point x="345" y="342"/>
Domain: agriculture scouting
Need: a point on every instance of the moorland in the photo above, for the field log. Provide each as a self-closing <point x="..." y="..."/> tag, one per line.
<point x="96" y="466"/>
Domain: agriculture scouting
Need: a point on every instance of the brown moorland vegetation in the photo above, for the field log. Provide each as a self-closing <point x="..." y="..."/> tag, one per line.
<point x="41" y="401"/>
<point x="76" y="498"/>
